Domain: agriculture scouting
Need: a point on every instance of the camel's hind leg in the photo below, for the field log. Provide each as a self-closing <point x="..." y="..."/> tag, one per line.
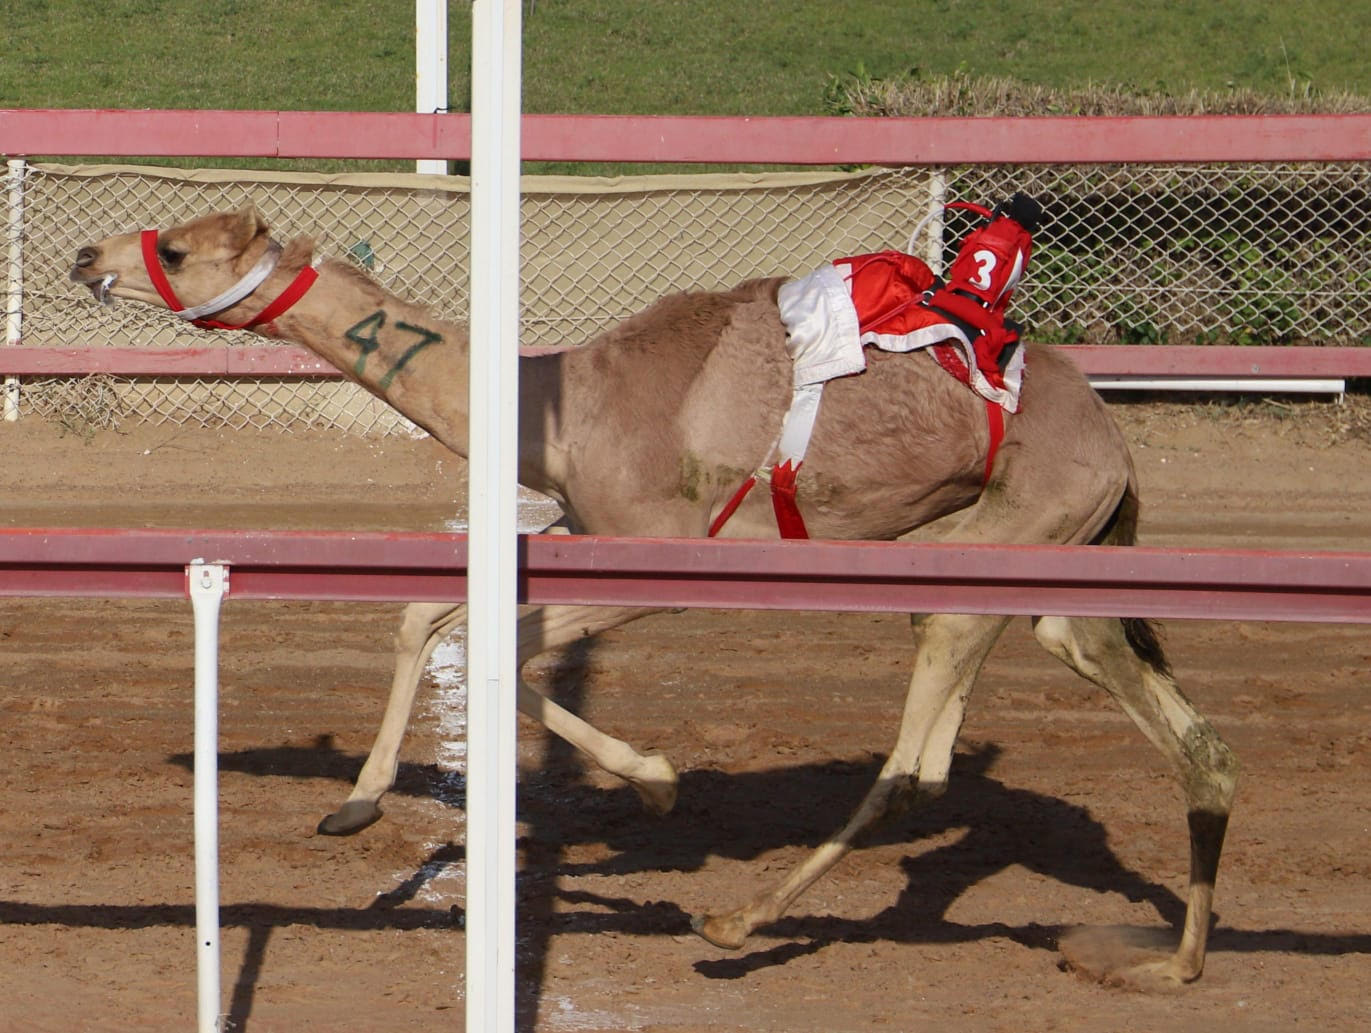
<point x="952" y="648"/>
<point x="423" y="626"/>
<point x="1076" y="504"/>
<point x="1125" y="660"/>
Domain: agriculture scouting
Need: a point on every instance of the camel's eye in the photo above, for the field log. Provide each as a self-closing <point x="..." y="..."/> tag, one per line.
<point x="169" y="256"/>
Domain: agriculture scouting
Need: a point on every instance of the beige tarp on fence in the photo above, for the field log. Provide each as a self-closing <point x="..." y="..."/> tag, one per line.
<point x="594" y="250"/>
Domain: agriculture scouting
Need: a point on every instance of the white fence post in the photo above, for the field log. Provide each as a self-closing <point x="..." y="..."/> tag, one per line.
<point x="430" y="69"/>
<point x="493" y="514"/>
<point x="207" y="584"/>
<point x="14" y="289"/>
<point x="933" y="241"/>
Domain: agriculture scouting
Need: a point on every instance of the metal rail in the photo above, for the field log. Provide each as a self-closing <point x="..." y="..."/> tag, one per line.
<point x="1158" y="360"/>
<point x="780" y="140"/>
<point x="1272" y="369"/>
<point x="741" y="140"/>
<point x="1214" y="584"/>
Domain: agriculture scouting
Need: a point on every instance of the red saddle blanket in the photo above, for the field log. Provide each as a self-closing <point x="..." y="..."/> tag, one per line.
<point x="893" y="301"/>
<point x="899" y="308"/>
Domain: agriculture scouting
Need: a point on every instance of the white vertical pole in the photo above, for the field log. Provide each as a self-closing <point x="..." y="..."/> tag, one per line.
<point x="14" y="291"/>
<point x="207" y="583"/>
<point x="430" y="68"/>
<point x="933" y="242"/>
<point x="492" y="539"/>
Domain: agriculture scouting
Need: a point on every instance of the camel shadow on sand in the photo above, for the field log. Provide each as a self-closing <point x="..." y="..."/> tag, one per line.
<point x="981" y="827"/>
<point x="745" y="815"/>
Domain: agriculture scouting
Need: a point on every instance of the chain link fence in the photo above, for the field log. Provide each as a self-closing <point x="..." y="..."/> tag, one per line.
<point x="1208" y="254"/>
<point x="1233" y="253"/>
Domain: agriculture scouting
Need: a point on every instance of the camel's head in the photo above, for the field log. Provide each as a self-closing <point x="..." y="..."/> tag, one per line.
<point x="201" y="259"/>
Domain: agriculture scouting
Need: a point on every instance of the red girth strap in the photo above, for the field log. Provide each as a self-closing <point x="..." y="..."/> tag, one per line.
<point x="296" y="290"/>
<point x="731" y="506"/>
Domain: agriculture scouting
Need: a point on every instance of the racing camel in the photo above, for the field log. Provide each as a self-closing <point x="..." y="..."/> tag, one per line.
<point x="647" y="431"/>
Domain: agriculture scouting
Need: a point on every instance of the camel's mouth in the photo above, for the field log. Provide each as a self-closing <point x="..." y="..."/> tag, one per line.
<point x="99" y="285"/>
<point x="100" y="288"/>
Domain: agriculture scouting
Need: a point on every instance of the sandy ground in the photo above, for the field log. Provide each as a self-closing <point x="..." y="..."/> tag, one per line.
<point x="1059" y="813"/>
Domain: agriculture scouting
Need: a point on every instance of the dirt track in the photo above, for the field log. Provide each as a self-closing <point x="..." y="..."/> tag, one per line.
<point x="1059" y="813"/>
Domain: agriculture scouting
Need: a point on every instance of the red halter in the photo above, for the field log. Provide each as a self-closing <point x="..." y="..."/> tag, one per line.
<point x="293" y="293"/>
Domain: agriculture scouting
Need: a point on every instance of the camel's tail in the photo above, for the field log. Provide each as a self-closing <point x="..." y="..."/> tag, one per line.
<point x="1144" y="636"/>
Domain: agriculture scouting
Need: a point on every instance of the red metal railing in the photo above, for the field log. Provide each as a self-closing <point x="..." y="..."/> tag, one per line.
<point x="1218" y="584"/>
<point x="692" y="139"/>
<point x="770" y="140"/>
<point x="290" y="361"/>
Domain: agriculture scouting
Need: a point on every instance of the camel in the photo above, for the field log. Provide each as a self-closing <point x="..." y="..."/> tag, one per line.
<point x="648" y="429"/>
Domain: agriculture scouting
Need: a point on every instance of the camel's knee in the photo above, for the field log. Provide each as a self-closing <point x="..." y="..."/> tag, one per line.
<point x="1208" y="767"/>
<point x="896" y="793"/>
<point x="1103" y="652"/>
<point x="418" y="624"/>
<point x="1211" y="769"/>
<point x="1055" y="635"/>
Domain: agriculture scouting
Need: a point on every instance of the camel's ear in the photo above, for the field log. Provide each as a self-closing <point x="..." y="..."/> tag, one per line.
<point x="247" y="224"/>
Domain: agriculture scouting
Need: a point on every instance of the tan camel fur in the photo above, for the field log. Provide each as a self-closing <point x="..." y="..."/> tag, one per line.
<point x="647" y="431"/>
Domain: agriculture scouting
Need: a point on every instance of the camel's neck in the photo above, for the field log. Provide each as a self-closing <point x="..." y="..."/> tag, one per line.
<point x="418" y="363"/>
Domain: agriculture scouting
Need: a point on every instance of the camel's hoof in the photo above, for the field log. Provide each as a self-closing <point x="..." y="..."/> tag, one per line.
<point x="1163" y="975"/>
<point x="656" y="784"/>
<point x="727" y="931"/>
<point x="1124" y="956"/>
<point x="353" y="816"/>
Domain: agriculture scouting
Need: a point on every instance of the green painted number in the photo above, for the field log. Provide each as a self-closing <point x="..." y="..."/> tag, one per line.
<point x="366" y="335"/>
<point x="426" y="337"/>
<point x="363" y="334"/>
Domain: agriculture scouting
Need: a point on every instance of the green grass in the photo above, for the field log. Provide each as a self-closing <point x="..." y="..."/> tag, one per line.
<point x="337" y="56"/>
<point x="674" y="57"/>
<point x="661" y="56"/>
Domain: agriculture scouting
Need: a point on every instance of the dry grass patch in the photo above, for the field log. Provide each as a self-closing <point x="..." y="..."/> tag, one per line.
<point x="1319" y="422"/>
<point x="964" y="95"/>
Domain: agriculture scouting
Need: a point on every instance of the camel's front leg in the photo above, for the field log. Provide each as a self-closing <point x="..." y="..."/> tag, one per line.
<point x="548" y="627"/>
<point x="422" y="627"/>
<point x="951" y="651"/>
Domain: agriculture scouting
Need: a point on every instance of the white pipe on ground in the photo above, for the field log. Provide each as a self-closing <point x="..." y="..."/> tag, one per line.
<point x="207" y="584"/>
<point x="1263" y="385"/>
